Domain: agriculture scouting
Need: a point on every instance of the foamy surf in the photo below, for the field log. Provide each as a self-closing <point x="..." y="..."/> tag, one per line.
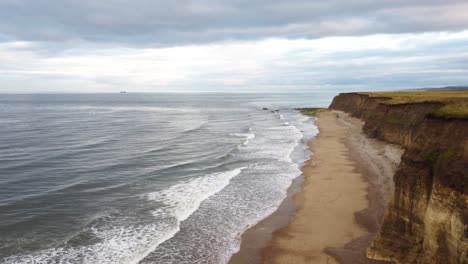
<point x="126" y="179"/>
<point x="132" y="243"/>
<point x="243" y="135"/>
<point x="246" y="137"/>
<point x="274" y="159"/>
<point x="118" y="244"/>
<point x="182" y="199"/>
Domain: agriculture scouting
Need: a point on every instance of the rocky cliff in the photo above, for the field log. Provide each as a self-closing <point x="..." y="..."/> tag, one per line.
<point x="426" y="221"/>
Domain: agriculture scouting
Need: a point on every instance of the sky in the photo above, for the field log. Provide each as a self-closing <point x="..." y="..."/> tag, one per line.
<point x="231" y="46"/>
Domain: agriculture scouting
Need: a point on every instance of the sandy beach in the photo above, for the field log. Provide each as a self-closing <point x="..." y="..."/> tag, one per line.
<point x="346" y="186"/>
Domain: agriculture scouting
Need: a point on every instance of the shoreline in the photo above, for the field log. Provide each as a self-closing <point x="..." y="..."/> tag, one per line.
<point x="336" y="210"/>
<point x="256" y="237"/>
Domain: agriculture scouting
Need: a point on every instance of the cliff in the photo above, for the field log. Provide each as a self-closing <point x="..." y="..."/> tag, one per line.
<point x="426" y="220"/>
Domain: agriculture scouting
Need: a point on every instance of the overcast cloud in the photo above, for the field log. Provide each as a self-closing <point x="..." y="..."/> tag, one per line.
<point x="256" y="45"/>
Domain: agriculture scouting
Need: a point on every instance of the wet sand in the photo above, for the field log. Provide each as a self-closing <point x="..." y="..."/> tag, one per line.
<point x="346" y="186"/>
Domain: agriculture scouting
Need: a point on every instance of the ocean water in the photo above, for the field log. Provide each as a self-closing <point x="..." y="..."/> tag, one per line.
<point x="144" y="178"/>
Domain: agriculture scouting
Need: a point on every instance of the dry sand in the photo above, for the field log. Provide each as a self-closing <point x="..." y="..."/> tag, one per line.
<point x="345" y="190"/>
<point x="332" y="191"/>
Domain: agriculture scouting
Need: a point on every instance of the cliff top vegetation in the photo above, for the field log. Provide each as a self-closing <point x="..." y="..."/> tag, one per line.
<point x="454" y="104"/>
<point x="310" y="111"/>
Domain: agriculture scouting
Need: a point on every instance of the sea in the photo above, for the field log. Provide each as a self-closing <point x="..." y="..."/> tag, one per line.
<point x="144" y="178"/>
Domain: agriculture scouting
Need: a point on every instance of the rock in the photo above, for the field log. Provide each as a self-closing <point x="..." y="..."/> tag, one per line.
<point x="427" y="217"/>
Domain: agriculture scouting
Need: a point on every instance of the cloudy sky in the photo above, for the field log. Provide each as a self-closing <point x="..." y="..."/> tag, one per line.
<point x="243" y="45"/>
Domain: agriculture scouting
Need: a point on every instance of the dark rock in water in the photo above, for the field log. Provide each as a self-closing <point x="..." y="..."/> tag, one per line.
<point x="265" y="108"/>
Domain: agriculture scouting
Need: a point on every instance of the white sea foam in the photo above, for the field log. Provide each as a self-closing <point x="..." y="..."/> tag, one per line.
<point x="182" y="199"/>
<point x="246" y="137"/>
<point x="240" y="204"/>
<point x="130" y="243"/>
<point x="261" y="190"/>
<point x="243" y="135"/>
<point x="118" y="244"/>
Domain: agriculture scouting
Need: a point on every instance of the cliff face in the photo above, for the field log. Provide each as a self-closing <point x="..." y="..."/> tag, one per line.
<point x="426" y="221"/>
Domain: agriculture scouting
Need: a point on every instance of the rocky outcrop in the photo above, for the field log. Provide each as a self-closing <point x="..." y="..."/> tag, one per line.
<point x="426" y="220"/>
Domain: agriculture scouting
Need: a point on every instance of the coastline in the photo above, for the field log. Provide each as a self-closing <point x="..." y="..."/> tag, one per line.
<point x="256" y="238"/>
<point x="339" y="205"/>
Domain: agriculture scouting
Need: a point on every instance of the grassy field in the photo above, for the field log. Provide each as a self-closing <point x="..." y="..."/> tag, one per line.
<point x="455" y="103"/>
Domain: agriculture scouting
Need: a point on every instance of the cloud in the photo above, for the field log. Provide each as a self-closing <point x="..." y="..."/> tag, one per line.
<point x="235" y="45"/>
<point x="149" y="22"/>
<point x="277" y="64"/>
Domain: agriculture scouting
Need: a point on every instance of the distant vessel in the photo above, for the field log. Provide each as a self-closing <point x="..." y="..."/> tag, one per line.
<point x="123" y="92"/>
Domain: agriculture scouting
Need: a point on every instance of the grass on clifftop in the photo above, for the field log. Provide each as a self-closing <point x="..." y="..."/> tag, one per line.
<point x="310" y="111"/>
<point x="455" y="102"/>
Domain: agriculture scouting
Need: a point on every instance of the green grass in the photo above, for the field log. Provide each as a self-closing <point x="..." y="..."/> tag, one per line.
<point x="455" y="103"/>
<point x="447" y="155"/>
<point x="405" y="97"/>
<point x="310" y="111"/>
<point x="432" y="156"/>
<point x="456" y="109"/>
<point x="393" y="120"/>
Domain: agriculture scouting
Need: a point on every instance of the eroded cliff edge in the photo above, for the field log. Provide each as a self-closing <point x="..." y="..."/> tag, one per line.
<point x="426" y="221"/>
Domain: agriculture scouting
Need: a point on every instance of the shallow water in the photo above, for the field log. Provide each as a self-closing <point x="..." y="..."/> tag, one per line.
<point x="150" y="178"/>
